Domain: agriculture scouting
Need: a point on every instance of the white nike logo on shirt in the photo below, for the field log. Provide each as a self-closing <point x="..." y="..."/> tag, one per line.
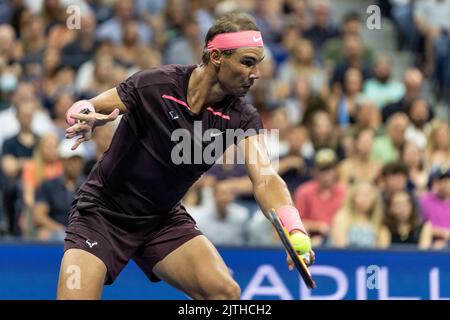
<point x="216" y="134"/>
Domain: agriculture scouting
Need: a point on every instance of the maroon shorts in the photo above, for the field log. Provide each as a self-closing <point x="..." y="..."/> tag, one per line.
<point x="90" y="230"/>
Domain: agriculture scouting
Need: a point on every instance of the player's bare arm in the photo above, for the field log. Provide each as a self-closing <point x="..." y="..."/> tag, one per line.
<point x="269" y="188"/>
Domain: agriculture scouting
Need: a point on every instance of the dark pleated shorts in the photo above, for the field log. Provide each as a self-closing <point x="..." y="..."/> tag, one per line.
<point x="91" y="230"/>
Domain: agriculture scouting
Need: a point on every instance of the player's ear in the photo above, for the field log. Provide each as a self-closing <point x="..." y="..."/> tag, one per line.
<point x="215" y="57"/>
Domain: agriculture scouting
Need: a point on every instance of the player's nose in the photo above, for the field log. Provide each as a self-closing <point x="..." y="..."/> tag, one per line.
<point x="255" y="73"/>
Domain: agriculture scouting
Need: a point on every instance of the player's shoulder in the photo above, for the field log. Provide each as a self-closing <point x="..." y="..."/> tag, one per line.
<point x="166" y="74"/>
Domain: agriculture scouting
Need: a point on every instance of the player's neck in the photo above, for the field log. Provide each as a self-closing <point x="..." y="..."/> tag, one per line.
<point x="203" y="89"/>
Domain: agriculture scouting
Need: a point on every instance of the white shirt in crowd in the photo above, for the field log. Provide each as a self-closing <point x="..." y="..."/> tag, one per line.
<point x="230" y="231"/>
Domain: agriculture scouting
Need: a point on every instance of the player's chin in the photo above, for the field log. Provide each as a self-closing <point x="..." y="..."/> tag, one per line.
<point x="241" y="92"/>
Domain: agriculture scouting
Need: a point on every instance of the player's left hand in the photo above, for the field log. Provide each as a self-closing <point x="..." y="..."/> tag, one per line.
<point x="86" y="123"/>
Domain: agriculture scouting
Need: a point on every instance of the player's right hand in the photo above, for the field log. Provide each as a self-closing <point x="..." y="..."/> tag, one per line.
<point x="309" y="259"/>
<point x="86" y="123"/>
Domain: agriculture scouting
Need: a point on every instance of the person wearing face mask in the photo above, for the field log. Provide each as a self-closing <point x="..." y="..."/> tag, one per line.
<point x="382" y="89"/>
<point x="8" y="83"/>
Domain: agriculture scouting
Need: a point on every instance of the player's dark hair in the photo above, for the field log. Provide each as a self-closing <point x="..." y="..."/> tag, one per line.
<point x="231" y="22"/>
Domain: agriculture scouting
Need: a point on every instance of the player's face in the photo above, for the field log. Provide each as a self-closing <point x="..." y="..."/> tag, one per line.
<point x="238" y="72"/>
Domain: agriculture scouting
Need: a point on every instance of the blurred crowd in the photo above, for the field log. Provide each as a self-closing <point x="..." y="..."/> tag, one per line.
<point x="365" y="155"/>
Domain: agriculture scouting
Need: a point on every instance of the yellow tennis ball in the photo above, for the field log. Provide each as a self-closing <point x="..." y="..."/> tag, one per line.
<point x="301" y="242"/>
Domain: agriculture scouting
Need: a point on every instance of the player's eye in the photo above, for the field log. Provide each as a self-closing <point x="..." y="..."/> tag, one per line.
<point x="248" y="62"/>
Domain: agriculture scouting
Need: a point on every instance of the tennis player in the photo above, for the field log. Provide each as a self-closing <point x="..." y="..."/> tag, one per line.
<point x="129" y="207"/>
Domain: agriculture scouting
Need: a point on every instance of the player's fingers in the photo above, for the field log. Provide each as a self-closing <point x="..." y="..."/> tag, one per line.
<point x="113" y="115"/>
<point x="78" y="128"/>
<point x="306" y="259"/>
<point x="82" y="117"/>
<point x="312" y="257"/>
<point x="73" y="134"/>
<point x="78" y="142"/>
<point x="290" y="263"/>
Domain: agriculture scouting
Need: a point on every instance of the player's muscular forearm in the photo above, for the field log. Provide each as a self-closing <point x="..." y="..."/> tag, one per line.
<point x="107" y="101"/>
<point x="271" y="192"/>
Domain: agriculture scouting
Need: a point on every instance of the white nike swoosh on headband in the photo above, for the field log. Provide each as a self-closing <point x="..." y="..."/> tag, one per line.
<point x="256" y="39"/>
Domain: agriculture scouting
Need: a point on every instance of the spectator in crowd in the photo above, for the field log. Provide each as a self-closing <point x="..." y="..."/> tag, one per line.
<point x="367" y="116"/>
<point x="113" y="29"/>
<point x="83" y="47"/>
<point x="343" y="106"/>
<point x="413" y="83"/>
<point x="10" y="69"/>
<point x="394" y="178"/>
<point x="435" y="206"/>
<point x="438" y="148"/>
<point x="189" y="42"/>
<point x="382" y="89"/>
<point x="358" y="222"/>
<point x="277" y="128"/>
<point x="359" y="167"/>
<point x="303" y="63"/>
<point x="298" y="15"/>
<point x="41" y="122"/>
<point x="419" y="115"/>
<point x="268" y="17"/>
<point x="174" y="18"/>
<point x="62" y="103"/>
<point x="294" y="166"/>
<point x="128" y="51"/>
<point x="298" y="103"/>
<point x="353" y="58"/>
<point x="402" y="15"/>
<point x="33" y="45"/>
<point x="147" y="58"/>
<point x="319" y="199"/>
<point x="44" y="165"/>
<point x="54" y="196"/>
<point x="221" y="220"/>
<point x="8" y="84"/>
<point x="16" y="150"/>
<point x="414" y="159"/>
<point x="260" y="232"/>
<point x="332" y="49"/>
<point x="48" y="84"/>
<point x="102" y="76"/>
<point x="431" y="19"/>
<point x="387" y="146"/>
<point x="323" y="27"/>
<point x="52" y="13"/>
<point x="322" y="133"/>
<point x="8" y="44"/>
<point x="402" y="223"/>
